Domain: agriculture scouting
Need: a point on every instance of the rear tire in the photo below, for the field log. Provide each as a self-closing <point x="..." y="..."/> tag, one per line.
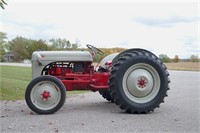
<point x="138" y="82"/>
<point x="45" y="95"/>
<point x="105" y="93"/>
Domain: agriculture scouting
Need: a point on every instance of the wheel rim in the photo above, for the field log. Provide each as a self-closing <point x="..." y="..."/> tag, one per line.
<point x="141" y="83"/>
<point x="45" y="95"/>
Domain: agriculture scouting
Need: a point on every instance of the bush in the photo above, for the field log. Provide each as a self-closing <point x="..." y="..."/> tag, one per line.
<point x="164" y="58"/>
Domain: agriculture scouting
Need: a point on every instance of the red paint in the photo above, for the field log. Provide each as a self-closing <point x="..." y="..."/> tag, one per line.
<point x="87" y="79"/>
<point x="142" y="83"/>
<point x="45" y="95"/>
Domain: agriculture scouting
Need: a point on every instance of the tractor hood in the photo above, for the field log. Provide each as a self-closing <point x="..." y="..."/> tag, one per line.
<point x="40" y="56"/>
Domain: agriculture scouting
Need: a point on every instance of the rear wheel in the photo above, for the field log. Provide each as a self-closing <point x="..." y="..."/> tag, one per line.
<point x="105" y="93"/>
<point x="45" y="95"/>
<point x="138" y="82"/>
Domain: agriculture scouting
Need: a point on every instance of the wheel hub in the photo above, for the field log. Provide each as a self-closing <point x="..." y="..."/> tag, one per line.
<point x="139" y="83"/>
<point x="142" y="83"/>
<point x="45" y="95"/>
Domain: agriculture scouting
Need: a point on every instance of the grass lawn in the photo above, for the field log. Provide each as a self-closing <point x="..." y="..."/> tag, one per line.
<point x="184" y="66"/>
<point x="14" y="80"/>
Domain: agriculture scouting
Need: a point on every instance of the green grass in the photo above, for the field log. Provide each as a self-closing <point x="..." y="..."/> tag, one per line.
<point x="14" y="80"/>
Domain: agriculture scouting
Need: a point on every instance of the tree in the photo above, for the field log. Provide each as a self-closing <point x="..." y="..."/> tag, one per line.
<point x="2" y="45"/>
<point x="35" y="45"/>
<point x="23" y="48"/>
<point x="164" y="58"/>
<point x="194" y="58"/>
<point x="176" y="59"/>
<point x="63" y="44"/>
<point x="2" y="3"/>
<point x="74" y="46"/>
<point x="3" y="37"/>
<point x="60" y="44"/>
<point x="18" y="47"/>
<point x="2" y="52"/>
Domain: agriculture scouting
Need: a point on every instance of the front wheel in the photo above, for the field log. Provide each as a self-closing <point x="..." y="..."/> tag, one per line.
<point x="138" y="82"/>
<point x="45" y="95"/>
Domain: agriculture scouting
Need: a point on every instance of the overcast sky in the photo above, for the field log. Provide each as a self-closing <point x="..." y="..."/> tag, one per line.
<point x="170" y="28"/>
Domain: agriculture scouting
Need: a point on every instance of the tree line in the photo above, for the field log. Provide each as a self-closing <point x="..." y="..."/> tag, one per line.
<point x="22" y="48"/>
<point x="164" y="58"/>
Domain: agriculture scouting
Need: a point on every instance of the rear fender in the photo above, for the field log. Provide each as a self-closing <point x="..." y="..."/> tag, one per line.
<point x="109" y="58"/>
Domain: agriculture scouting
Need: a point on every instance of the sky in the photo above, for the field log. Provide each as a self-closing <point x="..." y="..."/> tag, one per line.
<point x="170" y="27"/>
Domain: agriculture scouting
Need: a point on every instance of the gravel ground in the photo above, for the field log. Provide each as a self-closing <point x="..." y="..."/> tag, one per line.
<point x="89" y="112"/>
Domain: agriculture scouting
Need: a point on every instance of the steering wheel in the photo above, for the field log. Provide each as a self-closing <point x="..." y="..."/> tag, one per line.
<point x="95" y="50"/>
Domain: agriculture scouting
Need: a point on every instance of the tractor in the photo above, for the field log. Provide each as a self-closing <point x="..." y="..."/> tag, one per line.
<point x="136" y="80"/>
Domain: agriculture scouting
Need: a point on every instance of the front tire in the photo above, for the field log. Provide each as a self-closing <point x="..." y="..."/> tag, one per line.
<point x="138" y="82"/>
<point x="45" y="95"/>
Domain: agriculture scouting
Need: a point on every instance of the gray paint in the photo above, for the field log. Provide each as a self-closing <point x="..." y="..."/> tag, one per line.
<point x="42" y="58"/>
<point x="106" y="59"/>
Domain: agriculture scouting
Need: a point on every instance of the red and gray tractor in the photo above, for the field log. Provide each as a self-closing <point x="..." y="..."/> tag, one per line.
<point x="136" y="80"/>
